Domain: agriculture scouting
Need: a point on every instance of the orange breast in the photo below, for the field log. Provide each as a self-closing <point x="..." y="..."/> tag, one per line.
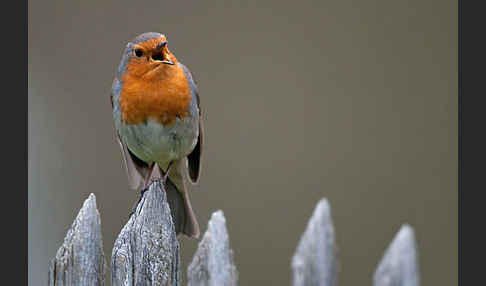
<point x="161" y="94"/>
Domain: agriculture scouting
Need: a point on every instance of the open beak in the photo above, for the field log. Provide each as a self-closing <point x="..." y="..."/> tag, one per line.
<point x="167" y="62"/>
<point x="160" y="52"/>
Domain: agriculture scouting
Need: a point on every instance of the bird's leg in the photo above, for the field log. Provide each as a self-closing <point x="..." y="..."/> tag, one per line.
<point x="147" y="181"/>
<point x="142" y="191"/>
<point x="167" y="172"/>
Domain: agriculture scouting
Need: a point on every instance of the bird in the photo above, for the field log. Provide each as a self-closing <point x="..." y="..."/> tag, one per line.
<point x="158" y="122"/>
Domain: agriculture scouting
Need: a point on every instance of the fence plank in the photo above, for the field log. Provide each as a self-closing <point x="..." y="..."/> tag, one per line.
<point x="213" y="263"/>
<point x="315" y="260"/>
<point x="146" y="251"/>
<point x="80" y="260"/>
<point x="399" y="265"/>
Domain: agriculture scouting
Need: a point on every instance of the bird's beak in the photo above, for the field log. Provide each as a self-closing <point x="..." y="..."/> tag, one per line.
<point x="160" y="52"/>
<point x="161" y="46"/>
<point x="167" y="62"/>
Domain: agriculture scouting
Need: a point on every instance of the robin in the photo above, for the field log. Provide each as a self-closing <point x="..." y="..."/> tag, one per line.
<point x="157" y="115"/>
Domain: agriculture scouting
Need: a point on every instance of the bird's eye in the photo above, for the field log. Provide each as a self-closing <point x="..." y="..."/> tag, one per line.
<point x="138" y="53"/>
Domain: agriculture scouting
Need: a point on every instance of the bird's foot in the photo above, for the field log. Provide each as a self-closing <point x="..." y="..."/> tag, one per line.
<point x="164" y="179"/>
<point x="166" y="175"/>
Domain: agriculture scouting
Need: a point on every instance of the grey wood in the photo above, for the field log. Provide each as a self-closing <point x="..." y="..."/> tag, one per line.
<point x="315" y="260"/>
<point x="80" y="260"/>
<point x="146" y="251"/>
<point x="399" y="265"/>
<point x="212" y="264"/>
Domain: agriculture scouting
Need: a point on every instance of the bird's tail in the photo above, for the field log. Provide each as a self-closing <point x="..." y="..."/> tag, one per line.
<point x="183" y="216"/>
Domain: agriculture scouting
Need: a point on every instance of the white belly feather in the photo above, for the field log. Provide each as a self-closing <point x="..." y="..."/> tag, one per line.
<point x="153" y="142"/>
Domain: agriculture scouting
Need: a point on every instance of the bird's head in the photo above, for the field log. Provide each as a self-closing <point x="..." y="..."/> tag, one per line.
<point x="148" y="56"/>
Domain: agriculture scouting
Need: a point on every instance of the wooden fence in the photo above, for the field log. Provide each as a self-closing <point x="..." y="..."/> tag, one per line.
<point x="147" y="252"/>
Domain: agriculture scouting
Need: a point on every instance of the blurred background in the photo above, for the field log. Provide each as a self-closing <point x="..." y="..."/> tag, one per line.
<point x="355" y="101"/>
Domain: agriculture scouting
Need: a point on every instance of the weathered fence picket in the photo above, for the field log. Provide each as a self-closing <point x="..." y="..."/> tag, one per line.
<point x="213" y="261"/>
<point x="80" y="260"/>
<point x="146" y="251"/>
<point x="399" y="265"/>
<point x="315" y="260"/>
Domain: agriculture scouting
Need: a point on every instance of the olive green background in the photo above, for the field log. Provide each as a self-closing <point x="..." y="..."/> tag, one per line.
<point x="355" y="101"/>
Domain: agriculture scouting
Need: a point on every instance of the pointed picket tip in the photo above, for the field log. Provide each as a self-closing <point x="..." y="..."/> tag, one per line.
<point x="213" y="264"/>
<point x="399" y="265"/>
<point x="81" y="260"/>
<point x="315" y="260"/>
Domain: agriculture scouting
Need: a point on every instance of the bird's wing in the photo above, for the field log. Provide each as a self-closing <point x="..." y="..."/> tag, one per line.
<point x="194" y="158"/>
<point x="136" y="169"/>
